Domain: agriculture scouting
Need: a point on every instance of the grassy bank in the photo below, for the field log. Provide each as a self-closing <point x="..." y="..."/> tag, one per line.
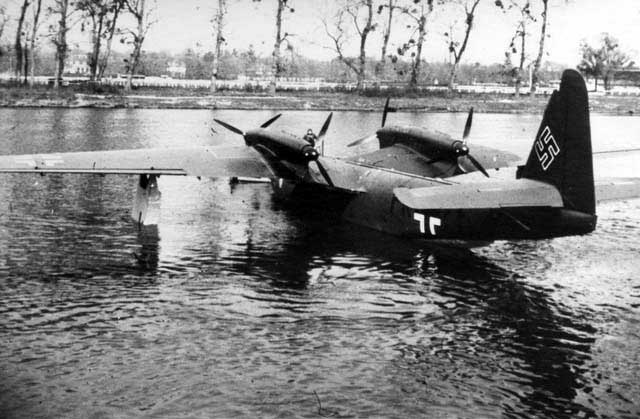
<point x="72" y="96"/>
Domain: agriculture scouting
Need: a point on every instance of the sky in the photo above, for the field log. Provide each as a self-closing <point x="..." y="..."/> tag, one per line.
<point x="187" y="24"/>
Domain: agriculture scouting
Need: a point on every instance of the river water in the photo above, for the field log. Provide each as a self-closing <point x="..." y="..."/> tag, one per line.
<point x="233" y="306"/>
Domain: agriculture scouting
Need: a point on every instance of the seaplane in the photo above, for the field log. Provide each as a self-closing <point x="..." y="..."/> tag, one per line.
<point x="420" y="184"/>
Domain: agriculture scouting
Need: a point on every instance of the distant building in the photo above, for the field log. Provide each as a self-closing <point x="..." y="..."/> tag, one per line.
<point x="77" y="64"/>
<point x="177" y="69"/>
<point x="627" y="77"/>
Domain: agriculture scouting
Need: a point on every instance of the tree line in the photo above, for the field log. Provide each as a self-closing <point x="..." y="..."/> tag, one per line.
<point x="353" y="21"/>
<point x="100" y="19"/>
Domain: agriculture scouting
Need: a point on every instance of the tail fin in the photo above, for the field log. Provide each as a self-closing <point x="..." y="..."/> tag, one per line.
<point x="561" y="154"/>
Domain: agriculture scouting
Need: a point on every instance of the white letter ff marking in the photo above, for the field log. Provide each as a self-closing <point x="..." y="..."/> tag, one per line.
<point x="433" y="223"/>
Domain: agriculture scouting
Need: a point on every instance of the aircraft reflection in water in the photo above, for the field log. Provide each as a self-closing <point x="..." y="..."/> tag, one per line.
<point x="459" y="327"/>
<point x="420" y="184"/>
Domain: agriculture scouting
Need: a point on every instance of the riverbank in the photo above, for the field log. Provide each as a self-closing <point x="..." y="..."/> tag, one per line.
<point x="303" y="100"/>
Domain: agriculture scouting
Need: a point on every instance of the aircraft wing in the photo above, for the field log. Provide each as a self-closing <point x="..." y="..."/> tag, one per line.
<point x="510" y="193"/>
<point x="189" y="161"/>
<point x="405" y="159"/>
<point x="481" y="195"/>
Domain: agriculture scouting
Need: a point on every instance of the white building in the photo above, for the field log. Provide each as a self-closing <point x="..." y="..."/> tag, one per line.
<point x="77" y="64"/>
<point x="177" y="69"/>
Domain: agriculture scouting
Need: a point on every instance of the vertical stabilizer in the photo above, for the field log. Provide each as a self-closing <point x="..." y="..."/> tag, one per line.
<point x="561" y="153"/>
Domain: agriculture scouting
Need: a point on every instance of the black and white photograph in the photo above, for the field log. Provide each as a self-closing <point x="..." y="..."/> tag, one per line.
<point x="319" y="209"/>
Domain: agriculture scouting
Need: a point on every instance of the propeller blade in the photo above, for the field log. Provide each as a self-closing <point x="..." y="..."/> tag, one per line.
<point x="325" y="126"/>
<point x="467" y="125"/>
<point x="270" y="121"/>
<point x="229" y="127"/>
<point x="362" y="140"/>
<point x="324" y="173"/>
<point x="386" y="110"/>
<point x="323" y="132"/>
<point x="477" y="164"/>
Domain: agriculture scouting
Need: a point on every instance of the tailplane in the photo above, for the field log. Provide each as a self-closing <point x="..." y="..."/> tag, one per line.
<point x="561" y="153"/>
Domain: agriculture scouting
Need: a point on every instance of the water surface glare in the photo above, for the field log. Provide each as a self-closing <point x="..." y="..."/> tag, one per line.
<point x="234" y="306"/>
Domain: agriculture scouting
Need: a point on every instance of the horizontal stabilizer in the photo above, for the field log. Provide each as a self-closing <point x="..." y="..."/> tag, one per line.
<point x="617" y="189"/>
<point x="481" y="195"/>
<point x="192" y="161"/>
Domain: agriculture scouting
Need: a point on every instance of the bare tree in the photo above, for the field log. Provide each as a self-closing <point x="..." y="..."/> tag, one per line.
<point x="543" y="35"/>
<point x="218" y="27"/>
<point x="390" y="6"/>
<point x="35" y="23"/>
<point x="142" y="15"/>
<point x="456" y="49"/>
<point x="4" y="18"/>
<point x="63" y="11"/>
<point x="418" y="13"/>
<point x="523" y="9"/>
<point x="360" y="14"/>
<point x="102" y="15"/>
<point x="277" y="67"/>
<point x="18" y="48"/>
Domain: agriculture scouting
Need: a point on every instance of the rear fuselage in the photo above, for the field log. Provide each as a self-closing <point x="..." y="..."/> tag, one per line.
<point x="364" y="195"/>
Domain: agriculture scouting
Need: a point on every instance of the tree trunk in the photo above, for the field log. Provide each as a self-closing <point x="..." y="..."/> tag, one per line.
<point x="363" y="47"/>
<point x="275" y="69"/>
<point x="385" y="41"/>
<point x="96" y="39"/>
<point x="538" y="61"/>
<point x="523" y="35"/>
<point x="61" y="42"/>
<point x="458" y="54"/>
<point x="415" y="68"/>
<point x="452" y="75"/>
<point x="18" y="44"/>
<point x="32" y="49"/>
<point x="25" y="63"/>
<point x="104" y="59"/>
<point x="219" y="20"/>
<point x="138" y="39"/>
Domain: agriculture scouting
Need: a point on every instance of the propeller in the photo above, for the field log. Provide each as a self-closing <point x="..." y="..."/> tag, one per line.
<point x="477" y="164"/>
<point x="460" y="148"/>
<point x="307" y="152"/>
<point x="324" y="173"/>
<point x="464" y="150"/>
<point x="321" y="135"/>
<point x="272" y="120"/>
<point x="239" y="131"/>
<point x="467" y="125"/>
<point x="323" y="132"/>
<point x="230" y="127"/>
<point x="387" y="109"/>
<point x="362" y="140"/>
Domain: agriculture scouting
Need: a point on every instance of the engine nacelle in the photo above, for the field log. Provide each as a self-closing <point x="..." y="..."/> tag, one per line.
<point x="424" y="141"/>
<point x="282" y="146"/>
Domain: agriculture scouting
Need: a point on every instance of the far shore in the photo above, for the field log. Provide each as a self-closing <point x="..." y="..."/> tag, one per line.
<point x="302" y="100"/>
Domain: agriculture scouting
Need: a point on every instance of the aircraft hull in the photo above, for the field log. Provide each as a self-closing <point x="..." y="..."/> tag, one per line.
<point x="369" y="201"/>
